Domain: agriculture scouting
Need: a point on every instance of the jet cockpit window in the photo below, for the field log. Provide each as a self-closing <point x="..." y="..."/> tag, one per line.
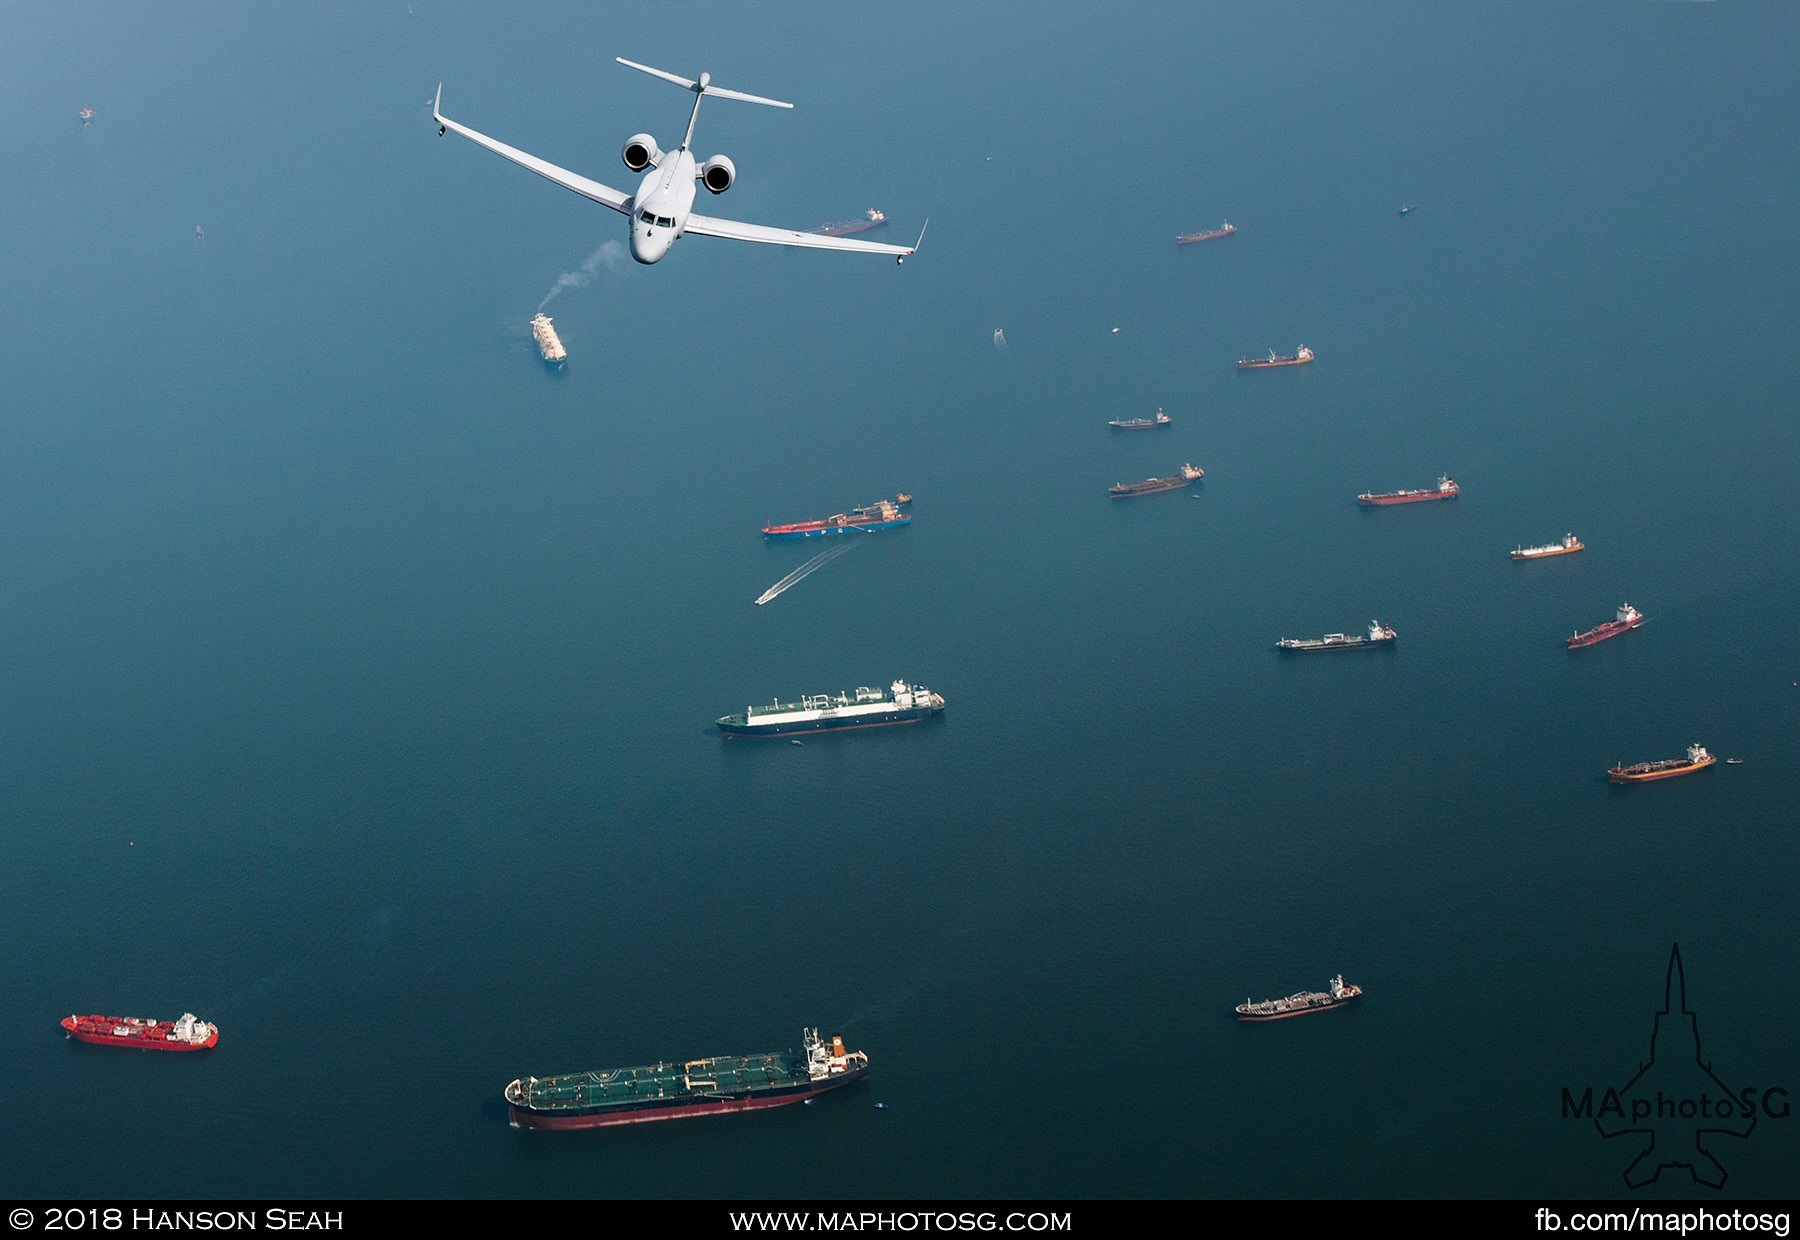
<point x="665" y="222"/>
<point x="647" y="218"/>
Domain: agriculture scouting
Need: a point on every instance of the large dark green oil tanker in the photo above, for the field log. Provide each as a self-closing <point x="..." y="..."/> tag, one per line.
<point x="676" y="1090"/>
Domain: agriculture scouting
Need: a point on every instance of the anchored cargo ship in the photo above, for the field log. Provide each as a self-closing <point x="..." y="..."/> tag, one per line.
<point x="1379" y="635"/>
<point x="1642" y="772"/>
<point x="882" y="515"/>
<point x="549" y="344"/>
<point x="1628" y="618"/>
<point x="1445" y="489"/>
<point x="849" y="228"/>
<point x="1150" y="486"/>
<point x="1307" y="1001"/>
<point x="186" y="1034"/>
<point x="1274" y="359"/>
<point x="866" y="708"/>
<point x="1142" y="424"/>
<point x="1569" y="544"/>
<point x="714" y="1086"/>
<point x="1223" y="230"/>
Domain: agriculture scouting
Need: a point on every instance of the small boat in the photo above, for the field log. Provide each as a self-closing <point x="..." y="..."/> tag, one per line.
<point x="796" y="742"/>
<point x="1406" y="208"/>
<point x="1734" y="762"/>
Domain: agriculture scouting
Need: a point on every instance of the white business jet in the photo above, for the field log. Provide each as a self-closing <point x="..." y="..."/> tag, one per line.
<point x="662" y="209"/>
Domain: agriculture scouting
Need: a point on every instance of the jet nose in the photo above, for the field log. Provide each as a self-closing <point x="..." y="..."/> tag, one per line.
<point x="647" y="246"/>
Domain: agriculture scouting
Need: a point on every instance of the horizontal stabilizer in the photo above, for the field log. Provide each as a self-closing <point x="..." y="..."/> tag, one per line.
<point x="703" y="87"/>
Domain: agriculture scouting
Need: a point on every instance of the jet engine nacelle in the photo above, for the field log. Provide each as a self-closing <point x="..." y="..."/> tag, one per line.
<point x="718" y="173"/>
<point x="641" y="152"/>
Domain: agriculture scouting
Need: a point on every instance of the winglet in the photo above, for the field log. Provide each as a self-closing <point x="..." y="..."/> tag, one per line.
<point x="437" y="104"/>
<point x="916" y="244"/>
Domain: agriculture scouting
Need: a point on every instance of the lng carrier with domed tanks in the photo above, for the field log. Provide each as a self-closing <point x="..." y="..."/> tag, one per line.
<point x="550" y="345"/>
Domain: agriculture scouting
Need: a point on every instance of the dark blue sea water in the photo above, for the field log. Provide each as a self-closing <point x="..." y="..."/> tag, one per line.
<point x="356" y="672"/>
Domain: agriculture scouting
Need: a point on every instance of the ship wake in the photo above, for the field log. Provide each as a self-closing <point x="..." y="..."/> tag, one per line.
<point x="803" y="572"/>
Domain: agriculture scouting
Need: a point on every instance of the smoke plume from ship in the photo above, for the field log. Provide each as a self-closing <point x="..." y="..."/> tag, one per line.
<point x="610" y="254"/>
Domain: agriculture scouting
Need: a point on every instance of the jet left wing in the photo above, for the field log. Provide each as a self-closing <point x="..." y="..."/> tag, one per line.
<point x="605" y="195"/>
<point x="706" y="226"/>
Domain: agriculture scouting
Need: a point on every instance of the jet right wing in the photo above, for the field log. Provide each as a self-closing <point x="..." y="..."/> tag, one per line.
<point x="605" y="195"/>
<point x="707" y="226"/>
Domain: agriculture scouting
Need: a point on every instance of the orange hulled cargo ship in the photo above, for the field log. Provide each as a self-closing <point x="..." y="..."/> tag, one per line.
<point x="138" y="1033"/>
<point x="1667" y="768"/>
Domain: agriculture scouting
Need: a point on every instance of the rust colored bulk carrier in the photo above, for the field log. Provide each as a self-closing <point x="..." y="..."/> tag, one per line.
<point x="1628" y="618"/>
<point x="1446" y="488"/>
